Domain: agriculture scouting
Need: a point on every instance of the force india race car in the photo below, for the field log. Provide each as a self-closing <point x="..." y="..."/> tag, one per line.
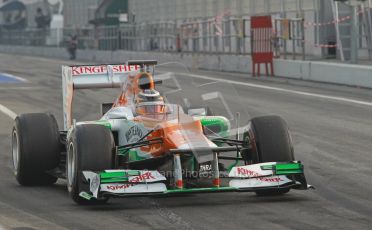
<point x="143" y="145"/>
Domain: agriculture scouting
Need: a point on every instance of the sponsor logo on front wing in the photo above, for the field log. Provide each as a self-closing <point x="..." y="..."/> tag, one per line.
<point x="252" y="174"/>
<point x="136" y="179"/>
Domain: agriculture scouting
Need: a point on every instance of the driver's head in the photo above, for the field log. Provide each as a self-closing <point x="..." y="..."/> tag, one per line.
<point x="149" y="101"/>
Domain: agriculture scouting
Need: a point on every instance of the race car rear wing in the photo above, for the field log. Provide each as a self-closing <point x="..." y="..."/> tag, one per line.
<point x="94" y="77"/>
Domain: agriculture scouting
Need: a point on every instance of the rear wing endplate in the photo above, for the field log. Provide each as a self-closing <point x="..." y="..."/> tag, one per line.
<point x="90" y="77"/>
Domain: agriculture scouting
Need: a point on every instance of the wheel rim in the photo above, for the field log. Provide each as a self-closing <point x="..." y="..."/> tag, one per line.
<point x="70" y="165"/>
<point x="15" y="150"/>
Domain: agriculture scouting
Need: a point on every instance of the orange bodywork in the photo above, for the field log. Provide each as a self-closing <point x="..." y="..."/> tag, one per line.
<point x="176" y="130"/>
<point x="183" y="133"/>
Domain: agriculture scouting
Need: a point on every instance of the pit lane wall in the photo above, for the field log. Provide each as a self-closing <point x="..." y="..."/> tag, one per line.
<point x="336" y="73"/>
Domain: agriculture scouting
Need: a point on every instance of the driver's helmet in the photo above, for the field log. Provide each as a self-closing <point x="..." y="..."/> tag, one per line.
<point x="149" y="101"/>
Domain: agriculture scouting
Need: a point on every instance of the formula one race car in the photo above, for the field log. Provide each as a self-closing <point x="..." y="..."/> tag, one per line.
<point x="144" y="146"/>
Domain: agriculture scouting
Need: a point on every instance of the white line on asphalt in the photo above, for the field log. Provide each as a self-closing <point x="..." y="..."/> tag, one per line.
<point x="8" y="112"/>
<point x="342" y="99"/>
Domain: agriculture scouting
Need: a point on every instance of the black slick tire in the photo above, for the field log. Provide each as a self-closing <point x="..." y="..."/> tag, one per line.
<point x="273" y="144"/>
<point x="89" y="148"/>
<point x="35" y="148"/>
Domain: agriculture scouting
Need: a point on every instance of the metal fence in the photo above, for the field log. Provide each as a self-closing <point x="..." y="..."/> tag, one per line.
<point x="143" y="37"/>
<point x="299" y="26"/>
<point x="289" y="31"/>
<point x="228" y="35"/>
<point x="231" y="35"/>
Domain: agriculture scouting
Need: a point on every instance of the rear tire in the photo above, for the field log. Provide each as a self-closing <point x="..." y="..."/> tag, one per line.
<point x="89" y="148"/>
<point x="35" y="148"/>
<point x="273" y="143"/>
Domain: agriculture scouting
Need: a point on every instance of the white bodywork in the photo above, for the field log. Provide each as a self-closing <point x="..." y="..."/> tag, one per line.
<point x="119" y="113"/>
<point x="89" y="77"/>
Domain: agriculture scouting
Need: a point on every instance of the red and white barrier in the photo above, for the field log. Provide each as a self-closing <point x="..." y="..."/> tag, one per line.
<point x="343" y="19"/>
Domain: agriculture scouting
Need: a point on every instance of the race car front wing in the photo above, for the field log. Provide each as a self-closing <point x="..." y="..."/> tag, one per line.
<point x="247" y="178"/>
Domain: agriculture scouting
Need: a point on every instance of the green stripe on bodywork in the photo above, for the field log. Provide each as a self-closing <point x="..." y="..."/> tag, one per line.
<point x="107" y="124"/>
<point x="291" y="168"/>
<point x="222" y="122"/>
<point x="106" y="175"/>
<point x="112" y="177"/>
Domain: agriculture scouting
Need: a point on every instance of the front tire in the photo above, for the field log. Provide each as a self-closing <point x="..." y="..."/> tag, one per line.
<point x="273" y="144"/>
<point x="35" y="148"/>
<point x="89" y="148"/>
